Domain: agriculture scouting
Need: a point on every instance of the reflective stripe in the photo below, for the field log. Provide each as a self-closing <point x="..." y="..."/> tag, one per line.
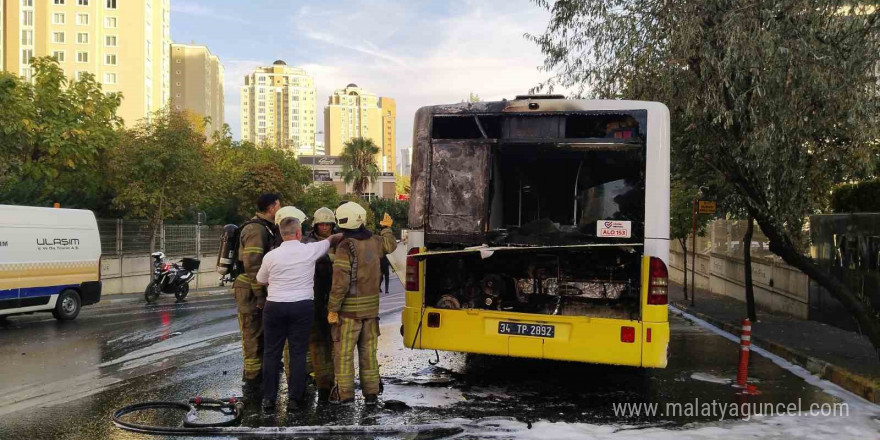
<point x="253" y="250"/>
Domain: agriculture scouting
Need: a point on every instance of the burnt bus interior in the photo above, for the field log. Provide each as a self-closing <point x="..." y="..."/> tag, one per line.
<point x="537" y="185"/>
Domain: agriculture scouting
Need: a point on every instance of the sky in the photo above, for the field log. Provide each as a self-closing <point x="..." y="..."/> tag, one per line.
<point x="417" y="52"/>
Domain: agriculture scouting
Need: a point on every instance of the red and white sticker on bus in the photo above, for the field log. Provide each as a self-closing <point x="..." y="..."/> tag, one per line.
<point x="613" y="229"/>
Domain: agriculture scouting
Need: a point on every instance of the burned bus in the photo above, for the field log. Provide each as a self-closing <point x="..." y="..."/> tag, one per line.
<point x="539" y="228"/>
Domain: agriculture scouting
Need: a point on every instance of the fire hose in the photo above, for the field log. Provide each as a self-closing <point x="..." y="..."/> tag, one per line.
<point x="233" y="407"/>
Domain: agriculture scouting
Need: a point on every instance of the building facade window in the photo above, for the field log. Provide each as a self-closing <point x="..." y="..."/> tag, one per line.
<point x="58" y="18"/>
<point x="110" y="22"/>
<point x="110" y="78"/>
<point x="27" y="55"/>
<point x="58" y="55"/>
<point x="82" y="2"/>
<point x="27" y="18"/>
<point x="82" y="19"/>
<point x="110" y="59"/>
<point x="58" y="37"/>
<point x="110" y="40"/>
<point x="82" y="38"/>
<point x="27" y="3"/>
<point x="59" y="2"/>
<point x="111" y="4"/>
<point x="82" y="57"/>
<point x="27" y="38"/>
<point x="80" y="75"/>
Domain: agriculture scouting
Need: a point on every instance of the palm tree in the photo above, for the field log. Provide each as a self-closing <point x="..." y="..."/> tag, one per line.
<point x="359" y="163"/>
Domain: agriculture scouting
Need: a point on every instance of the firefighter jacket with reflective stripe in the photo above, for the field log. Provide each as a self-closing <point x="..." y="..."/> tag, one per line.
<point x="256" y="241"/>
<point x="356" y="275"/>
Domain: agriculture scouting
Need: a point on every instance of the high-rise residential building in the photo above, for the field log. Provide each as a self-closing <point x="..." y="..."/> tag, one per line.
<point x="405" y="163"/>
<point x="278" y="107"/>
<point x="354" y="112"/>
<point x="124" y="43"/>
<point x="197" y="83"/>
<point x="388" y="108"/>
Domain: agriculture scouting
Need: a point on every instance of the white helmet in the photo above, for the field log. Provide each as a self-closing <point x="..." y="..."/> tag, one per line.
<point x="324" y="215"/>
<point x="290" y="211"/>
<point x="351" y="216"/>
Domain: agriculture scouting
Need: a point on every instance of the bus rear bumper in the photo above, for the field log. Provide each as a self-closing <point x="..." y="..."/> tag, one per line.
<point x="576" y="338"/>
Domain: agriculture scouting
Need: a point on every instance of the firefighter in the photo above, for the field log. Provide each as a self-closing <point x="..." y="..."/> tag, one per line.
<point x="320" y="343"/>
<point x="259" y="235"/>
<point x="353" y="309"/>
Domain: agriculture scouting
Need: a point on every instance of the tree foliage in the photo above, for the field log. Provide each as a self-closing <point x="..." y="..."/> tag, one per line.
<point x="359" y="163"/>
<point x="856" y="197"/>
<point x="397" y="209"/>
<point x="778" y="98"/>
<point x="158" y="169"/>
<point x="52" y="134"/>
<point x="402" y="184"/>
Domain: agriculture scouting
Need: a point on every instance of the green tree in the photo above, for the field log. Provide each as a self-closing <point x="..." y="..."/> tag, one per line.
<point x="779" y="98"/>
<point x="402" y="184"/>
<point x="241" y="171"/>
<point x="53" y="136"/>
<point x="317" y="195"/>
<point x="158" y="170"/>
<point x="359" y="163"/>
<point x="397" y="209"/>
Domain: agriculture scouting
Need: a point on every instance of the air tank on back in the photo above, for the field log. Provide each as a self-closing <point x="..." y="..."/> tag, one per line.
<point x="228" y="249"/>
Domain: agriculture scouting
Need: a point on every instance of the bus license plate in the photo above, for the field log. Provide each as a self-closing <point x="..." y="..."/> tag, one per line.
<point x="515" y="328"/>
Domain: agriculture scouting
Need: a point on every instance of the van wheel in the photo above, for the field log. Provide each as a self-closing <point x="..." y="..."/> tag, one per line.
<point x="68" y="305"/>
<point x="182" y="292"/>
<point x="151" y="294"/>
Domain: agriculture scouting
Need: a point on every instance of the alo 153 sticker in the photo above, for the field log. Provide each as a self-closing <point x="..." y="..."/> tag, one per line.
<point x="613" y="228"/>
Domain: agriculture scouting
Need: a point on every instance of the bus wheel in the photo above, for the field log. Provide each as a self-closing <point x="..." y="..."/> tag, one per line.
<point x="68" y="305"/>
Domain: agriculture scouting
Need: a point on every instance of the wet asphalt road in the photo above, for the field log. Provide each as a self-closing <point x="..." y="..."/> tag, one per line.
<point x="63" y="380"/>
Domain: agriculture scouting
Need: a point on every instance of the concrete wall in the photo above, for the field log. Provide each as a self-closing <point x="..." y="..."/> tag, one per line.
<point x="131" y="273"/>
<point x="779" y="288"/>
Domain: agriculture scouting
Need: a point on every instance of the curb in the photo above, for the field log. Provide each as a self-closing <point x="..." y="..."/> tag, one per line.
<point x="864" y="387"/>
<point x="140" y="297"/>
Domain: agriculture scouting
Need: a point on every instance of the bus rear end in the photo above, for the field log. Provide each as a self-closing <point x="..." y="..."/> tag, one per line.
<point x="539" y="229"/>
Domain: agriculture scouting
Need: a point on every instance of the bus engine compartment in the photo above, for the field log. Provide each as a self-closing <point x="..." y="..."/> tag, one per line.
<point x="599" y="282"/>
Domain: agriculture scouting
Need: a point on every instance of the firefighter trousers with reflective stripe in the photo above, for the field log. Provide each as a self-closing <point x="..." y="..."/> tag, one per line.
<point x="251" y="327"/>
<point x="362" y="334"/>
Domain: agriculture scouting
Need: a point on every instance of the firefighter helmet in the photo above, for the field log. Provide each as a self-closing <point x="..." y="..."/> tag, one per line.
<point x="324" y="215"/>
<point x="290" y="211"/>
<point x="351" y="216"/>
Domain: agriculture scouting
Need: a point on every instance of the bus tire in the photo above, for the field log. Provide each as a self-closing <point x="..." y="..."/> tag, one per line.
<point x="68" y="305"/>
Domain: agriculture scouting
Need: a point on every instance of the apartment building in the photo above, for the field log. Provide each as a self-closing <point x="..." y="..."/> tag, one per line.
<point x="197" y="83"/>
<point x="278" y="105"/>
<point x="125" y="44"/>
<point x="355" y="112"/>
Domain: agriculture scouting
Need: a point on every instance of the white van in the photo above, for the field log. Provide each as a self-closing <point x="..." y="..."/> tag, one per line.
<point x="50" y="261"/>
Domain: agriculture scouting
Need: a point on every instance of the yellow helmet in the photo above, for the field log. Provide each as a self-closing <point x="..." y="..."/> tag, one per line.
<point x="324" y="215"/>
<point x="290" y="211"/>
<point x="350" y="215"/>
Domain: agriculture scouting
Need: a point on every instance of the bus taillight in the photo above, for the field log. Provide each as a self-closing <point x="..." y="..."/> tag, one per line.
<point x="412" y="271"/>
<point x="658" y="283"/>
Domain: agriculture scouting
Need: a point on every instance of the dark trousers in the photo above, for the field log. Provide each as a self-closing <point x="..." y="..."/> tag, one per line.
<point x="290" y="323"/>
<point x="385" y="273"/>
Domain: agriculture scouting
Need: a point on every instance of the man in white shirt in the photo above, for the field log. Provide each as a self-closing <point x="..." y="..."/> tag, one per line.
<point x="289" y="271"/>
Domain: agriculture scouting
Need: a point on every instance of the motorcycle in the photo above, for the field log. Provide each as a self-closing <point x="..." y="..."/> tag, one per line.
<point x="173" y="278"/>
